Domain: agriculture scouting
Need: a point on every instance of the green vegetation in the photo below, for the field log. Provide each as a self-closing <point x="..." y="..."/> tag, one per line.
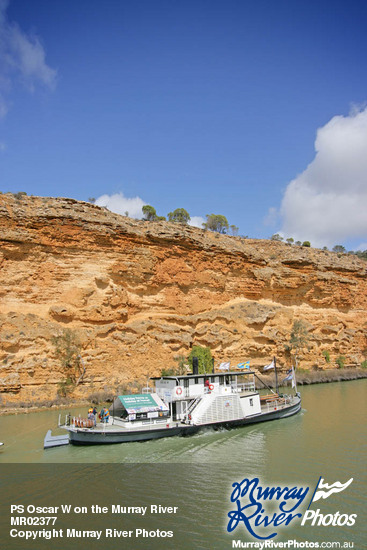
<point x="326" y="354"/>
<point x="170" y="371"/>
<point x="360" y="254"/>
<point x="178" y="369"/>
<point x="204" y="356"/>
<point x="290" y="240"/>
<point x="180" y="215"/>
<point x="299" y="339"/>
<point x="339" y="248"/>
<point x="65" y="387"/>
<point x="364" y="364"/>
<point x="216" y="223"/>
<point x="149" y="213"/>
<point x="340" y="361"/>
<point x="306" y="243"/>
<point x="68" y="349"/>
<point x="234" y="230"/>
<point x="276" y="237"/>
<point x="20" y="195"/>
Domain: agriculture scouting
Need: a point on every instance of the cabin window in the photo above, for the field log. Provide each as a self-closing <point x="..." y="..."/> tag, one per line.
<point x="221" y="380"/>
<point x="251" y="402"/>
<point x="212" y="379"/>
<point x="196" y="380"/>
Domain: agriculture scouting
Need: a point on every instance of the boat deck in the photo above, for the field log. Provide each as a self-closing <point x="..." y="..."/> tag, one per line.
<point x="118" y="426"/>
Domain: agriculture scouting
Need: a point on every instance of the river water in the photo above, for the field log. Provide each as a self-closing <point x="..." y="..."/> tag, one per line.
<point x="327" y="439"/>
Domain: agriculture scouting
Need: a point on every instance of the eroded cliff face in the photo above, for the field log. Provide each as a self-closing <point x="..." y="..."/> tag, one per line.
<point x="138" y="294"/>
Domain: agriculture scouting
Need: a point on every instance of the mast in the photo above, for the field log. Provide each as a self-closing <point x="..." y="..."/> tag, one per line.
<point x="294" y="381"/>
<point x="276" y="375"/>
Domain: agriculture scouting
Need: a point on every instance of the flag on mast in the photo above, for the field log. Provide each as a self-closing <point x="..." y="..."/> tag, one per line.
<point x="271" y="366"/>
<point x="289" y="377"/>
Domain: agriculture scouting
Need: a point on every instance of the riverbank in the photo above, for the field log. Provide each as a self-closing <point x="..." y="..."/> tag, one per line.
<point x="303" y="378"/>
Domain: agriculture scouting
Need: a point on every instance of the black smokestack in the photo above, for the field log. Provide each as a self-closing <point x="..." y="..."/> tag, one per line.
<point x="195" y="365"/>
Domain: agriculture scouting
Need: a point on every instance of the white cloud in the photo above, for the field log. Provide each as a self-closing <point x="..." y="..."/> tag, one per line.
<point x="326" y="204"/>
<point x="120" y="204"/>
<point x="197" y="221"/>
<point x="22" y="58"/>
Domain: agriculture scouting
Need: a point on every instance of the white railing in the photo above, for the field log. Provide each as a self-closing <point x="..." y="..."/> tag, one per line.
<point x="246" y="386"/>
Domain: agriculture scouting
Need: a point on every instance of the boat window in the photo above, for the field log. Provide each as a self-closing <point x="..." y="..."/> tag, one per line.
<point x="251" y="402"/>
<point x="196" y="380"/>
<point x="212" y="379"/>
<point x="221" y="380"/>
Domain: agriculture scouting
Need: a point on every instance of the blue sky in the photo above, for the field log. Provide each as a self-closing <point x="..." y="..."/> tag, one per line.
<point x="212" y="106"/>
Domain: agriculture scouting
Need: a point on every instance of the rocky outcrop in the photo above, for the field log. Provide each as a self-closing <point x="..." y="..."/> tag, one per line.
<point x="138" y="294"/>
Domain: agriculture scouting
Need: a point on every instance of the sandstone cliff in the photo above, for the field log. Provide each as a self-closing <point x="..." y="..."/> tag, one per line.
<point x="140" y="293"/>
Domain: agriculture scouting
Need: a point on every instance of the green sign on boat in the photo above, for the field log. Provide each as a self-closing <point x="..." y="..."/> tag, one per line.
<point x="137" y="401"/>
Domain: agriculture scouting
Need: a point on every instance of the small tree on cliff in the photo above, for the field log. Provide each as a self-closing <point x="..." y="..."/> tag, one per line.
<point x="299" y="340"/>
<point x="68" y="349"/>
<point x="204" y="356"/>
<point x="276" y="237"/>
<point x="339" y="248"/>
<point x="149" y="212"/>
<point x="216" y="222"/>
<point x="179" y="215"/>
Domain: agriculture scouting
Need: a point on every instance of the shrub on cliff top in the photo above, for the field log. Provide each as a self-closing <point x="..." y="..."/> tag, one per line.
<point x="149" y="212"/>
<point x="180" y="215"/>
<point x="216" y="223"/>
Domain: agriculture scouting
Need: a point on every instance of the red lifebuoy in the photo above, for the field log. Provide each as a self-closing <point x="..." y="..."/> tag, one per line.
<point x="211" y="387"/>
<point x="179" y="390"/>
